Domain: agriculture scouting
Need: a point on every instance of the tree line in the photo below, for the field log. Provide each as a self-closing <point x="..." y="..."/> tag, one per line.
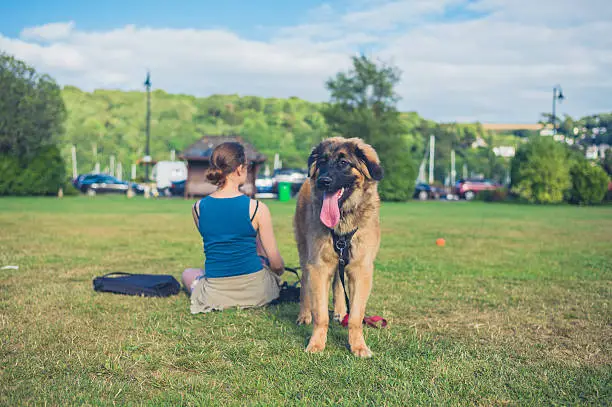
<point x="37" y="117"/>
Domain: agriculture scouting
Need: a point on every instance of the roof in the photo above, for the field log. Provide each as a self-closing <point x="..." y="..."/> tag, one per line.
<point x="202" y="149"/>
<point x="512" y="126"/>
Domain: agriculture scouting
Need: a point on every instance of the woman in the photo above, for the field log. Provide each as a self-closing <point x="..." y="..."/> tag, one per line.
<point x="243" y="264"/>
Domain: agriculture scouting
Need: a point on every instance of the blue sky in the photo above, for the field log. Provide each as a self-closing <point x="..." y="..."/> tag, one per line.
<point x="462" y="60"/>
<point x="241" y="16"/>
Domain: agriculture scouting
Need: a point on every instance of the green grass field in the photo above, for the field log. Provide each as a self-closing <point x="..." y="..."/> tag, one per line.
<point x="515" y="310"/>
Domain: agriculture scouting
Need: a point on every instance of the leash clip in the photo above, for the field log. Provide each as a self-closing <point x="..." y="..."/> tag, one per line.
<point x="340" y="246"/>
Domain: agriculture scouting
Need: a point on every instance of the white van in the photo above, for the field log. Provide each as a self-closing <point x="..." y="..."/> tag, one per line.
<point x="166" y="172"/>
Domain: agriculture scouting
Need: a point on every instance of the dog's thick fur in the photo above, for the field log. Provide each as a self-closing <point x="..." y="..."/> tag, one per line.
<point x="359" y="210"/>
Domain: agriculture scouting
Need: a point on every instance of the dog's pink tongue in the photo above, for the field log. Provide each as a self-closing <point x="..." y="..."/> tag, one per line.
<point x="330" y="212"/>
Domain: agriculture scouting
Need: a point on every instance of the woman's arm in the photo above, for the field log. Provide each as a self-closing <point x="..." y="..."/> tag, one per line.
<point x="195" y="211"/>
<point x="263" y="220"/>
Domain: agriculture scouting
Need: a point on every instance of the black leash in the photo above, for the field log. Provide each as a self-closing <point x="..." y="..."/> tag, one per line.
<point x="294" y="271"/>
<point x="342" y="247"/>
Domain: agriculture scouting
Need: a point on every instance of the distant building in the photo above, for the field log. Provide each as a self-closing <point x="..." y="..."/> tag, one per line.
<point x="504" y="151"/>
<point x="596" y="152"/>
<point x="509" y="127"/>
<point x="546" y="132"/>
<point x="480" y="142"/>
<point x="604" y="150"/>
<point x="591" y="152"/>
<point x="198" y="157"/>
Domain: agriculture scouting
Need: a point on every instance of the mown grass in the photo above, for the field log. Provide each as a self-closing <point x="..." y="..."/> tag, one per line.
<point x="514" y="310"/>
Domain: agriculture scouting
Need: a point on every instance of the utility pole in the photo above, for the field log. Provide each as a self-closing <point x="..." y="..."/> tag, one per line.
<point x="432" y="146"/>
<point x="94" y="150"/>
<point x="556" y="97"/>
<point x="112" y="165"/>
<point x="74" y="162"/>
<point x="453" y="174"/>
<point x="147" y="158"/>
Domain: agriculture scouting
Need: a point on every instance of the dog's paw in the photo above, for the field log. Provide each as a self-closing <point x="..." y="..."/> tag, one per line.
<point x="315" y="347"/>
<point x="361" y="351"/>
<point x="304" y="319"/>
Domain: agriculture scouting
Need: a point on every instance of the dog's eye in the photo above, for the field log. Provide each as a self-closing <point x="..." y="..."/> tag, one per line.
<point x="343" y="163"/>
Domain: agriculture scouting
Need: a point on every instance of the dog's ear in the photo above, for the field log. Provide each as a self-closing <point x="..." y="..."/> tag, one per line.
<point x="312" y="160"/>
<point x="368" y="156"/>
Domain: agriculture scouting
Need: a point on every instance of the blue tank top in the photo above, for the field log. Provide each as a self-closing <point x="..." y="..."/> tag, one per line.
<point x="229" y="237"/>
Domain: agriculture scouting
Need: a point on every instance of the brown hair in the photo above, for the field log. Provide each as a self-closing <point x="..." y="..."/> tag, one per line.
<point x="225" y="159"/>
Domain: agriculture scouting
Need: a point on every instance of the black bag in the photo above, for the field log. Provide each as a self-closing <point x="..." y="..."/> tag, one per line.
<point x="289" y="292"/>
<point x="146" y="285"/>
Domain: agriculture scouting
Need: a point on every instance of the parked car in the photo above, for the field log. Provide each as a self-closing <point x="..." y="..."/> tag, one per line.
<point x="80" y="178"/>
<point x="103" y="183"/>
<point x="294" y="176"/>
<point x="266" y="187"/>
<point x="424" y="191"/>
<point x="265" y="184"/>
<point x="177" y="188"/>
<point x="468" y="188"/>
<point x="164" y="173"/>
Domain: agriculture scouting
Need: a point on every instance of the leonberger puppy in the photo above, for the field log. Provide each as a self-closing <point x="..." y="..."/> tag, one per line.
<point x="341" y="195"/>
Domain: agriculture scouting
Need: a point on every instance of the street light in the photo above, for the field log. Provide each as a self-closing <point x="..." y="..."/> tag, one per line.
<point x="556" y="96"/>
<point x="147" y="157"/>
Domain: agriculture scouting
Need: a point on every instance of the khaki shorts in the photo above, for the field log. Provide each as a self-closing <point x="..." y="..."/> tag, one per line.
<point x="244" y="291"/>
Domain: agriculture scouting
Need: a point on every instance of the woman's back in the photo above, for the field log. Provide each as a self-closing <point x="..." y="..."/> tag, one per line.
<point x="229" y="237"/>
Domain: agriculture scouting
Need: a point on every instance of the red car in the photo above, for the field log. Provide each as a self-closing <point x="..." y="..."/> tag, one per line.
<point x="468" y="188"/>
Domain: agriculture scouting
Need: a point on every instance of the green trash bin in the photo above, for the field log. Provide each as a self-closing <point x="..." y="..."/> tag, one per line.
<point x="284" y="191"/>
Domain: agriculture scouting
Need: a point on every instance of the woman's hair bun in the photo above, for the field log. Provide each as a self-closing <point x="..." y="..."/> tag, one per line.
<point x="225" y="159"/>
<point x="215" y="175"/>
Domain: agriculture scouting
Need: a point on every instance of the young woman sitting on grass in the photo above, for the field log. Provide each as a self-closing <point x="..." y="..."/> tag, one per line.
<point x="243" y="264"/>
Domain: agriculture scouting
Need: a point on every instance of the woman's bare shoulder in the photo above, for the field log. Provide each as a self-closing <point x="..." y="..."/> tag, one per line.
<point x="259" y="208"/>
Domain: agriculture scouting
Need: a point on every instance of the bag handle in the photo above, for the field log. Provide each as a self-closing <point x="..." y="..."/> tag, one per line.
<point x="117" y="273"/>
<point x="293" y="270"/>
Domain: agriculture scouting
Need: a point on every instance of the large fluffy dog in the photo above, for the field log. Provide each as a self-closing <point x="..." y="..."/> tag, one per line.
<point x="341" y="195"/>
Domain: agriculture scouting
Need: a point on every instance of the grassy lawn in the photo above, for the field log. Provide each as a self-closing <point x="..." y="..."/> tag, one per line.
<point x="514" y="310"/>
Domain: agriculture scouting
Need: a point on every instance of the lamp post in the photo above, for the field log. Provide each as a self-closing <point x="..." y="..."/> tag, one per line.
<point x="147" y="157"/>
<point x="556" y="96"/>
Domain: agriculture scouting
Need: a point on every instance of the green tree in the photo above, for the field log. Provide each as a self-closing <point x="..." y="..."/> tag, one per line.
<point x="32" y="115"/>
<point x="540" y="171"/>
<point x="607" y="163"/>
<point x="44" y="174"/>
<point x="363" y="104"/>
<point x="589" y="182"/>
<point x="32" y="111"/>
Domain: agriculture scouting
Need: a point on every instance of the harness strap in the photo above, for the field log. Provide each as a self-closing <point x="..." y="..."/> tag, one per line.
<point x="196" y="209"/>
<point x="255" y="211"/>
<point x="342" y="247"/>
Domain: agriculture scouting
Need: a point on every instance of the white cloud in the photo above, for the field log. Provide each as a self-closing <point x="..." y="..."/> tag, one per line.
<point x="48" y="32"/>
<point x="389" y="15"/>
<point x="499" y="64"/>
<point x="321" y="13"/>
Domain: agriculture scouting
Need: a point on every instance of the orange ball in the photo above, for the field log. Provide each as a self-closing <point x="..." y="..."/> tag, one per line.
<point x="440" y="242"/>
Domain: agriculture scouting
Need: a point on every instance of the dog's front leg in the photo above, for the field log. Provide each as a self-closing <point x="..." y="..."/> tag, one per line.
<point x="319" y="278"/>
<point x="305" y="315"/>
<point x="360" y="285"/>
<point x="339" y="301"/>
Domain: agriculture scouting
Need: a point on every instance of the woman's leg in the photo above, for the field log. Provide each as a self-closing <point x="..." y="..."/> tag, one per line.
<point x="189" y="276"/>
